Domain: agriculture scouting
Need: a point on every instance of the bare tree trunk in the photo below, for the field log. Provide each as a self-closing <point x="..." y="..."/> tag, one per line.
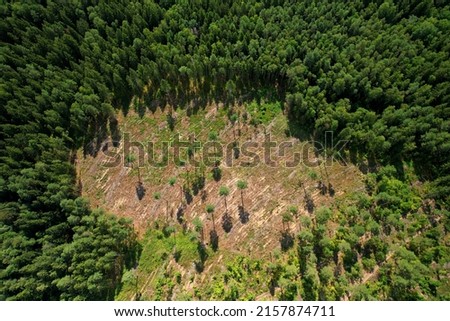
<point x="326" y="173"/>
<point x="167" y="210"/>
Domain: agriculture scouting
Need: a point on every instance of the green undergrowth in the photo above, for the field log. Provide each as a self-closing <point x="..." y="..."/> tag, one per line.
<point x="160" y="246"/>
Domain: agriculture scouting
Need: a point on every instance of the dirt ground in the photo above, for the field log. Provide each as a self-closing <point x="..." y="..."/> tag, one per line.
<point x="272" y="189"/>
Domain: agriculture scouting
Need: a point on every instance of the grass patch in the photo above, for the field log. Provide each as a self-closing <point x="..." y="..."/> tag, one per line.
<point x="186" y="245"/>
<point x="158" y="249"/>
<point x="200" y="126"/>
<point x="264" y="112"/>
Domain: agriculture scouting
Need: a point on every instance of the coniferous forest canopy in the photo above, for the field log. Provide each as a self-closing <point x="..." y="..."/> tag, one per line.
<point x="377" y="73"/>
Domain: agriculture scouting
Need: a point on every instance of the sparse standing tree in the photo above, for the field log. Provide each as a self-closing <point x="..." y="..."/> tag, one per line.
<point x="286" y="219"/>
<point x="224" y="192"/>
<point x="241" y="185"/>
<point x="326" y="174"/>
<point x="198" y="226"/>
<point x="210" y="210"/>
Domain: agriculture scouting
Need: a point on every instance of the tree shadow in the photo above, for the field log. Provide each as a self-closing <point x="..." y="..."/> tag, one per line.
<point x="199" y="266"/>
<point x="124" y="99"/>
<point x="131" y="261"/>
<point x="188" y="196"/>
<point x="134" y="253"/>
<point x="201" y="249"/>
<point x="297" y="129"/>
<point x="140" y="109"/>
<point x="167" y="231"/>
<point x="227" y="222"/>
<point x="214" y="240"/>
<point x="272" y="287"/>
<point x="309" y="204"/>
<point x="198" y="185"/>
<point x="95" y="139"/>
<point x="90" y="148"/>
<point x="216" y="171"/>
<point x="363" y="167"/>
<point x="171" y="121"/>
<point x="203" y="255"/>
<point x="151" y="104"/>
<point x="244" y="216"/>
<point x="114" y="129"/>
<point x="140" y="190"/>
<point x="105" y="146"/>
<point x="331" y="190"/>
<point x="180" y="214"/>
<point x="217" y="174"/>
<point x="236" y="150"/>
<point x="286" y="240"/>
<point x="177" y="255"/>
<point x="204" y="196"/>
<point x="322" y="188"/>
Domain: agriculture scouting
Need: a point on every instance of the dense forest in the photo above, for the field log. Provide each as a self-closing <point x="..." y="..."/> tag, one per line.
<point x="377" y="73"/>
